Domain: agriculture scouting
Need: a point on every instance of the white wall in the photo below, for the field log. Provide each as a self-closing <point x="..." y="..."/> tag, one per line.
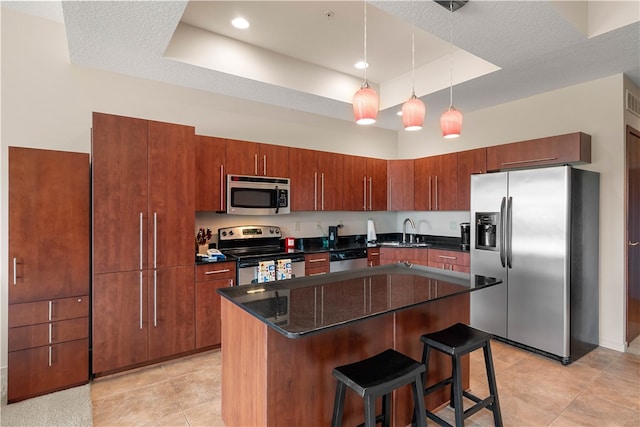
<point x="47" y="103"/>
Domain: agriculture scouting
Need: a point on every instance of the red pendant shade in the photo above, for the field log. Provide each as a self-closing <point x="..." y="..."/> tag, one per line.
<point x="451" y="123"/>
<point x="413" y="113"/>
<point x="365" y="105"/>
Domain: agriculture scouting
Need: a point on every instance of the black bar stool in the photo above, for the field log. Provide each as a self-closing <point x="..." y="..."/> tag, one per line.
<point x="456" y="341"/>
<point x="378" y="376"/>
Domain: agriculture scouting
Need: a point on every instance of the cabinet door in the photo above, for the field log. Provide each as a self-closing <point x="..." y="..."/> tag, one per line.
<point x="445" y="182"/>
<point x="316" y="264"/>
<point x="241" y="157"/>
<point x="119" y="164"/>
<point x="119" y="320"/>
<point x="469" y="162"/>
<point x="304" y="179"/>
<point x="171" y="195"/>
<point x="171" y="311"/>
<point x="377" y="184"/>
<point x="355" y="183"/>
<point x="31" y="313"/>
<point x="423" y="184"/>
<point x="210" y="278"/>
<point x="400" y="193"/>
<point x="49" y="226"/>
<point x="48" y="333"/>
<point x="46" y="369"/>
<point x="210" y="185"/>
<point x="330" y="181"/>
<point x="273" y="160"/>
<point x="373" y="257"/>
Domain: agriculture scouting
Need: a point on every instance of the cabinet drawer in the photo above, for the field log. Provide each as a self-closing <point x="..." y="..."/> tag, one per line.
<point x="32" y="313"/>
<point x="45" y="369"/>
<point x="48" y="333"/>
<point x="439" y="256"/>
<point x="317" y="260"/>
<point x="215" y="271"/>
<point x="316" y="270"/>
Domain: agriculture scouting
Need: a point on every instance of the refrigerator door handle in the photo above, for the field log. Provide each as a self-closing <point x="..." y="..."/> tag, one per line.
<point x="502" y="229"/>
<point x="509" y="231"/>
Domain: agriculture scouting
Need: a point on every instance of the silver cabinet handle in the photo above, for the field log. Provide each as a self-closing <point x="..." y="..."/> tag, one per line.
<point x="437" y="192"/>
<point x="322" y="191"/>
<point x="317" y="260"/>
<point x="633" y="243"/>
<point x="225" y="270"/>
<point x="50" y="310"/>
<point x="50" y="355"/>
<point x="15" y="273"/>
<point x="430" y="193"/>
<point x="140" y="299"/>
<point x="222" y="187"/>
<point x="318" y="274"/>
<point x="509" y="229"/>
<point x="370" y="192"/>
<point x="141" y="253"/>
<point x="155" y="298"/>
<point x="364" y="193"/>
<point x="155" y="239"/>
<point x="255" y="164"/>
<point x="315" y="191"/>
<point x="389" y="196"/>
<point x="50" y="332"/>
<point x="447" y="257"/>
<point x="264" y="164"/>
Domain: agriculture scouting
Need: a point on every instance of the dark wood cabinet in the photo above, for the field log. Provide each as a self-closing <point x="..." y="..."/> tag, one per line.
<point x="354" y="198"/>
<point x="435" y="183"/>
<point x="417" y="256"/>
<point x="316" y="264"/>
<point x="572" y="148"/>
<point x="400" y="185"/>
<point x="469" y="162"/>
<point x="449" y="260"/>
<point x="210" y="182"/>
<point x="144" y="203"/>
<point x="210" y="278"/>
<point x="373" y="256"/>
<point x="316" y="180"/>
<point x="253" y="158"/>
<point x="376" y="184"/>
<point x="49" y="235"/>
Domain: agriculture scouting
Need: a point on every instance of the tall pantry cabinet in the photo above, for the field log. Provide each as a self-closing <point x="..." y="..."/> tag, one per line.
<point x="48" y="336"/>
<point x="143" y="241"/>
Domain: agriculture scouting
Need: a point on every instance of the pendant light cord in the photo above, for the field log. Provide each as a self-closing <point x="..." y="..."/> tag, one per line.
<point x="366" y="64"/>
<point x="451" y="55"/>
<point x="413" y="61"/>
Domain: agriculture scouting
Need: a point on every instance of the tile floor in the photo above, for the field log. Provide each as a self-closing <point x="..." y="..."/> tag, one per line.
<point x="600" y="389"/>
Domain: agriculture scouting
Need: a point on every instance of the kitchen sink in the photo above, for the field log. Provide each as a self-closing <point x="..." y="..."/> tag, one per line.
<point x="405" y="245"/>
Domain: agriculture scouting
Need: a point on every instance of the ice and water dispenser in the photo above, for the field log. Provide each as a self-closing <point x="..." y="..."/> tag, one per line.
<point x="486" y="226"/>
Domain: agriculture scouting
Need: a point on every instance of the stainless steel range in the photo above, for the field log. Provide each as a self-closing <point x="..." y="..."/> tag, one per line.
<point x="259" y="255"/>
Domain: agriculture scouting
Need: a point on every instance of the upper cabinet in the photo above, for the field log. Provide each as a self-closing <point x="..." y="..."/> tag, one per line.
<point x="252" y="158"/>
<point x="316" y="180"/>
<point x="210" y="173"/>
<point x="365" y="183"/>
<point x="400" y="185"/>
<point x="435" y="181"/>
<point x="469" y="162"/>
<point x="571" y="148"/>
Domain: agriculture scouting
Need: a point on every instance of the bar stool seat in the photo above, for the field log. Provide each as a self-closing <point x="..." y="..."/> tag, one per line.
<point x="378" y="376"/>
<point x="457" y="341"/>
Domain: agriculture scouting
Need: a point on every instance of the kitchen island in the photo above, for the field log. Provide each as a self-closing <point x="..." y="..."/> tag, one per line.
<point x="281" y="340"/>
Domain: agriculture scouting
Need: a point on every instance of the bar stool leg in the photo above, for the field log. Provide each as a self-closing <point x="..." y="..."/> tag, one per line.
<point x="457" y="394"/>
<point x="493" y="389"/>
<point x="419" y="418"/>
<point x="369" y="411"/>
<point x="338" y="405"/>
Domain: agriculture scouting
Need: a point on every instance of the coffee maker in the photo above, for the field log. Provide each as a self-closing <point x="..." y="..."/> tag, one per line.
<point x="465" y="236"/>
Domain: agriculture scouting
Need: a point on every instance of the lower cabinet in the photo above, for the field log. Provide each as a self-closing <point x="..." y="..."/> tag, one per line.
<point x="210" y="278"/>
<point x="449" y="260"/>
<point x="48" y="346"/>
<point x="417" y="256"/>
<point x="315" y="264"/>
<point x="373" y="257"/>
<point x="140" y="316"/>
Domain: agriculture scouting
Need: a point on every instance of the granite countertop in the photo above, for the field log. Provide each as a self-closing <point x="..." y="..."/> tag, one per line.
<point x="313" y="304"/>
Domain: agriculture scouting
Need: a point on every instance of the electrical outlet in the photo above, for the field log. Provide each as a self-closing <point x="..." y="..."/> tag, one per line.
<point x="296" y="226"/>
<point x="318" y="226"/>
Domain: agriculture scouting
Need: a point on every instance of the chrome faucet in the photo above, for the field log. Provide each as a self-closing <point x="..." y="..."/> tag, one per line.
<point x="404" y="229"/>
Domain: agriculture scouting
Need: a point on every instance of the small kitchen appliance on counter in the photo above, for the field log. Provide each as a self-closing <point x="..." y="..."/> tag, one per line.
<point x="259" y="255"/>
<point x="465" y="235"/>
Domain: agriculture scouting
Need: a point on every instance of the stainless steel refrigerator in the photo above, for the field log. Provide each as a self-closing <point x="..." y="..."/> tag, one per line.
<point x="537" y="230"/>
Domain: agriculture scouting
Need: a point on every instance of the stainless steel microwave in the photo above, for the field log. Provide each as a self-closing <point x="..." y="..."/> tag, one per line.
<point x="257" y="195"/>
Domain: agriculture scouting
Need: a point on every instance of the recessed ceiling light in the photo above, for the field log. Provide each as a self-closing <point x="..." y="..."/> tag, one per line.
<point x="240" y="23"/>
<point x="361" y="65"/>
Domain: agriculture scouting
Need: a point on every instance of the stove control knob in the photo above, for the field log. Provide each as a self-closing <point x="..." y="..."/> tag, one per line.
<point x="224" y="233"/>
<point x="230" y="232"/>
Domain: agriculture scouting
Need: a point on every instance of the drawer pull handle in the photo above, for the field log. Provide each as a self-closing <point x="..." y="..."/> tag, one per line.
<point x="318" y="260"/>
<point x="447" y="257"/>
<point x="226" y="270"/>
<point x="50" y="332"/>
<point x="318" y="274"/>
<point x="517" y="162"/>
<point x="50" y="309"/>
<point x="50" y="355"/>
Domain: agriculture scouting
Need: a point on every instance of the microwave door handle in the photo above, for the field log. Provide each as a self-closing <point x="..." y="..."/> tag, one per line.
<point x="277" y="200"/>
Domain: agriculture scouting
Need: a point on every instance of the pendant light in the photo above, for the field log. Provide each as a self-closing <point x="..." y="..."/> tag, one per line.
<point x="451" y="120"/>
<point x="365" y="101"/>
<point x="413" y="110"/>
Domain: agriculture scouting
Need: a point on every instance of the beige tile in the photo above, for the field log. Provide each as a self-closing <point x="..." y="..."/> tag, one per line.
<point x="197" y="387"/>
<point x="117" y="383"/>
<point x="172" y="420"/>
<point x="205" y="414"/>
<point x="136" y="407"/>
<point x="198" y="362"/>
<point x="624" y="391"/>
<point x="589" y="410"/>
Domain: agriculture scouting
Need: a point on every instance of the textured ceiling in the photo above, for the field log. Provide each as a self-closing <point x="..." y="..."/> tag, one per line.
<point x="504" y="50"/>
